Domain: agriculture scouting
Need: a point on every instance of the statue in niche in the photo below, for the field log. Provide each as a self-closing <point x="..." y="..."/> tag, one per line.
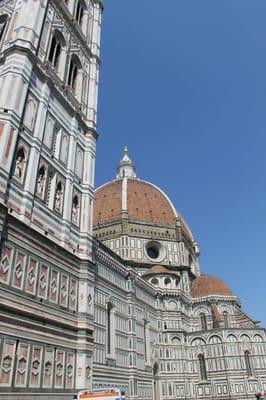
<point x="58" y="197"/>
<point x="40" y="181"/>
<point x="18" y="171"/>
<point x="75" y="210"/>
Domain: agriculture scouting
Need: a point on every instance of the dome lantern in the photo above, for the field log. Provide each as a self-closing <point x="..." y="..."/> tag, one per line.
<point x="126" y="167"/>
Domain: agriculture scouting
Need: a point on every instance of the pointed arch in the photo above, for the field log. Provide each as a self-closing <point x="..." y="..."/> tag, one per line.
<point x="57" y="43"/>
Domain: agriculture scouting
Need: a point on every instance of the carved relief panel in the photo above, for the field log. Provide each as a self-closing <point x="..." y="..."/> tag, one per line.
<point x="43" y="281"/>
<point x="22" y="365"/>
<point x="31" y="276"/>
<point x="59" y="369"/>
<point x="70" y="371"/>
<point x="48" y="368"/>
<point x="54" y="286"/>
<point x="19" y="269"/>
<point x="35" y="370"/>
<point x="7" y="363"/>
<point x="5" y="264"/>
<point x="63" y="290"/>
<point x="73" y="295"/>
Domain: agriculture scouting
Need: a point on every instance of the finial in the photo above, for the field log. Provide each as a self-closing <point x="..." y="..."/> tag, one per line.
<point x="126" y="166"/>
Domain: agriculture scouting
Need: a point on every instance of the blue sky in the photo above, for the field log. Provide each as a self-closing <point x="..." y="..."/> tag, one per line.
<point x="183" y="86"/>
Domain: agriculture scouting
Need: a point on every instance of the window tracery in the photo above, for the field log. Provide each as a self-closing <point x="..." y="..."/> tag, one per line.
<point x="57" y="44"/>
<point x="79" y="12"/>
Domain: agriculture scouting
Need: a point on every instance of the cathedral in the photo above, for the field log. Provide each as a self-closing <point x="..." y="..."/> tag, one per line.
<point x="98" y="288"/>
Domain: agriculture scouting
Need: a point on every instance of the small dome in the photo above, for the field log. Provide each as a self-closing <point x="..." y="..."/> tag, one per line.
<point x="206" y="285"/>
<point x="159" y="270"/>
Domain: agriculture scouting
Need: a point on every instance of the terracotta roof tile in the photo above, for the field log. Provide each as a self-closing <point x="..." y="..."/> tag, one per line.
<point x="108" y="203"/>
<point x="206" y="285"/>
<point x="159" y="270"/>
<point x="147" y="204"/>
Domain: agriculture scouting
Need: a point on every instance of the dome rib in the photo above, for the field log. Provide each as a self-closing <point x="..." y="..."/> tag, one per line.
<point x="139" y="201"/>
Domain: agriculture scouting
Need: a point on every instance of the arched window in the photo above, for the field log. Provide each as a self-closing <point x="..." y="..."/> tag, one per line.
<point x="3" y="21"/>
<point x="167" y="282"/>
<point x="248" y="363"/>
<point x="225" y="317"/>
<point x="55" y="51"/>
<point x="79" y="13"/>
<point x="202" y="367"/>
<point x="57" y="43"/>
<point x="73" y="72"/>
<point x="203" y="322"/>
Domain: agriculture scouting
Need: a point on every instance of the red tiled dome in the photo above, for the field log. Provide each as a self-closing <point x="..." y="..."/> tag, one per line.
<point x="144" y="203"/>
<point x="206" y="285"/>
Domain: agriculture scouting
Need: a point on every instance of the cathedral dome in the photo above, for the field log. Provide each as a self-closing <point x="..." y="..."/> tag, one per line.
<point x="137" y="201"/>
<point x="206" y="285"/>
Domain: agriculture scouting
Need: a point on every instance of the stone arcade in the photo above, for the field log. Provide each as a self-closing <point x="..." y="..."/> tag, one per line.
<point x="97" y="288"/>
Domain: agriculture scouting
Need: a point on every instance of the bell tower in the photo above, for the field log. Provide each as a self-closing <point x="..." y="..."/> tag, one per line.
<point x="49" y="83"/>
<point x="49" y="74"/>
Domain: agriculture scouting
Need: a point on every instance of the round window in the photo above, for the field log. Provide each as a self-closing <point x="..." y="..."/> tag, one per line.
<point x="153" y="250"/>
<point x="154" y="281"/>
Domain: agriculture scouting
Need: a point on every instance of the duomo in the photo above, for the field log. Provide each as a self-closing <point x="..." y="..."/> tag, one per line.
<point x="98" y="288"/>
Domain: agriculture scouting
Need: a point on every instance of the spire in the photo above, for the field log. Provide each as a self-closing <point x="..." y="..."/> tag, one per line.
<point x="126" y="167"/>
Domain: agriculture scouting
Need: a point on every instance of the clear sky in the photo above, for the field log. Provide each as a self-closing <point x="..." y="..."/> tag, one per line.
<point x="183" y="85"/>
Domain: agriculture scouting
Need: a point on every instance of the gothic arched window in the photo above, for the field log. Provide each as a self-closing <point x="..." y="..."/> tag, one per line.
<point x="202" y="367"/>
<point x="248" y="363"/>
<point x="57" y="43"/>
<point x="3" y="22"/>
<point x="225" y="317"/>
<point x="203" y="322"/>
<point x="79" y="12"/>
<point x="73" y="72"/>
